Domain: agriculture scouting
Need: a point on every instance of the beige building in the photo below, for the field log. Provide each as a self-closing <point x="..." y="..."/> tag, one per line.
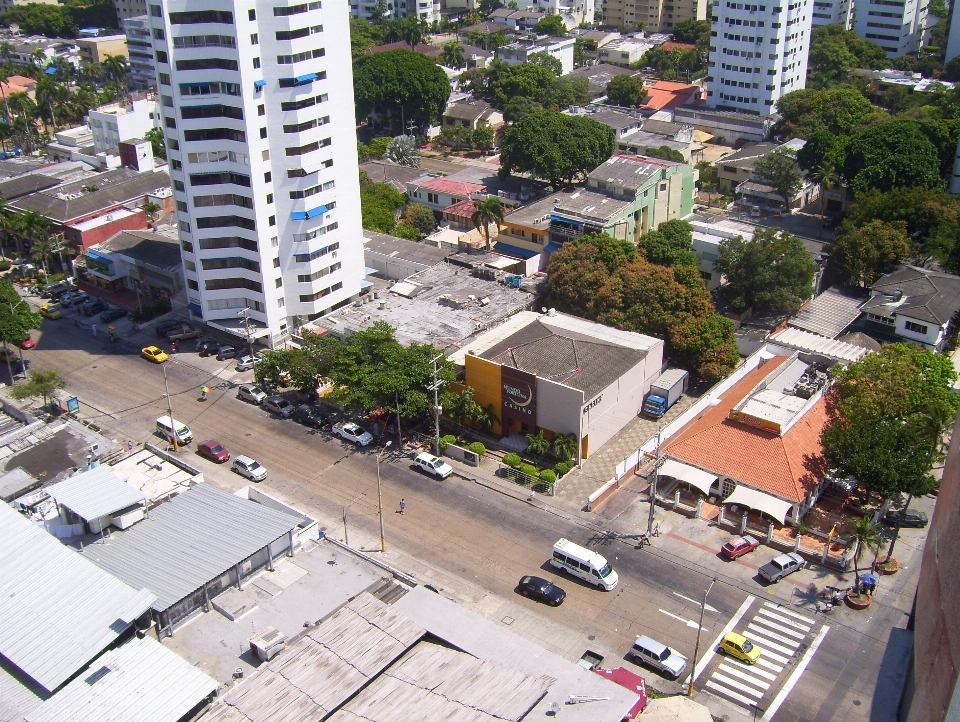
<point x="655" y="16"/>
<point x="128" y="9"/>
<point x="95" y="50"/>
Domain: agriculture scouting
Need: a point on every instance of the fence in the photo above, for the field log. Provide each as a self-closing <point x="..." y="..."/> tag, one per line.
<point x="532" y="482"/>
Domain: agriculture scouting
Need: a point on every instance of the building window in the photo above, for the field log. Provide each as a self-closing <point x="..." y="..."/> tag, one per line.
<point x="276" y="262"/>
<point x="269" y="198"/>
<point x="916" y="327"/>
<point x="433" y="198"/>
<point x="256" y="62"/>
<point x="155" y="11"/>
<point x="261" y="109"/>
<point x="186" y="245"/>
<point x="272" y="220"/>
<point x="164" y="79"/>
<point x="254" y="39"/>
<point x="252" y="14"/>
<point x="193" y="285"/>
<point x="279" y="303"/>
<point x="263" y="132"/>
<point x="162" y="57"/>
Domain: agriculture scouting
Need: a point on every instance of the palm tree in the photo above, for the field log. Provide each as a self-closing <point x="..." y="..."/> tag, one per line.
<point x="32" y="226"/>
<point x="452" y="55"/>
<point x="455" y="136"/>
<point x="50" y="94"/>
<point x="37" y="58"/>
<point x="489" y="210"/>
<point x="564" y="446"/>
<point x="150" y="208"/>
<point x="537" y="443"/>
<point x="826" y="177"/>
<point x="413" y="31"/>
<point x="865" y="534"/>
<point x="116" y="67"/>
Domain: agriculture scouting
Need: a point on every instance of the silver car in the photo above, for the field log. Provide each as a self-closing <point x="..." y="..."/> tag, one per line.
<point x="245" y="363"/>
<point x="245" y="466"/>
<point x="657" y="656"/>
<point x="278" y="405"/>
<point x="252" y="393"/>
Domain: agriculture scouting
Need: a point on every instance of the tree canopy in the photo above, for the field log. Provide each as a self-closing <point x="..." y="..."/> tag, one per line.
<point x="16" y="318"/>
<point x="772" y="271"/>
<point x="862" y="254"/>
<point x="606" y="280"/>
<point x="897" y="154"/>
<point x="626" y="91"/>
<point x="379" y="203"/>
<point x="841" y="111"/>
<point x="836" y="51"/>
<point x="552" y="25"/>
<point x="401" y="84"/>
<point x="501" y="85"/>
<point x="556" y="147"/>
<point x="670" y="244"/>
<point x="778" y="169"/>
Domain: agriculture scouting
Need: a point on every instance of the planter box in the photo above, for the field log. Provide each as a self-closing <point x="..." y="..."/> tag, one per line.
<point x="461" y="454"/>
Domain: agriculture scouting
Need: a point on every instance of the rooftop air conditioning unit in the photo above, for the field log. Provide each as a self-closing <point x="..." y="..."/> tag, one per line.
<point x="268" y="644"/>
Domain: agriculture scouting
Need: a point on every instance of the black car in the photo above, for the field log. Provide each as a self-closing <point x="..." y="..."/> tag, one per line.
<point x="164" y="327"/>
<point x="312" y="416"/>
<point x="542" y="590"/>
<point x="225" y="352"/>
<point x="205" y="347"/>
<point x="112" y="315"/>
<point x="913" y="518"/>
<point x="91" y="308"/>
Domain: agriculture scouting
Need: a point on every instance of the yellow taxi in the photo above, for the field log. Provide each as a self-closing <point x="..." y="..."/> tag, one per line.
<point x="736" y="645"/>
<point x="152" y="353"/>
<point x="51" y="310"/>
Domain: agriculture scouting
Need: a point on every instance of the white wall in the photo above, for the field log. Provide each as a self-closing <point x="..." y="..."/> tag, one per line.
<point x="898" y="35"/>
<point x="931" y="338"/>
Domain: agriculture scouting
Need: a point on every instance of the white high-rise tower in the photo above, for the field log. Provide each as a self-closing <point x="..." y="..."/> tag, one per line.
<point x="758" y="53"/>
<point x="258" y="111"/>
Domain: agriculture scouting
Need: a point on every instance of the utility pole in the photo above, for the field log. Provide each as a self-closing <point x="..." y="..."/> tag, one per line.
<point x="13" y="379"/>
<point x="246" y="326"/>
<point x="346" y="540"/>
<point x="696" y="651"/>
<point x="173" y="426"/>
<point x="435" y="387"/>
<point x="653" y="486"/>
<point x="383" y="539"/>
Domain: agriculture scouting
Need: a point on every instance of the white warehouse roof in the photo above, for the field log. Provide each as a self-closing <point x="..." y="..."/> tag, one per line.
<point x="95" y="493"/>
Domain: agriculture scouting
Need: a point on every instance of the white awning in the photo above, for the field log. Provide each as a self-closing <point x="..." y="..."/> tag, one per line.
<point x="759" y="501"/>
<point x="703" y="480"/>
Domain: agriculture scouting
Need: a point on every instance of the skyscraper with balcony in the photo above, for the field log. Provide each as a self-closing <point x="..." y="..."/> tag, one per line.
<point x="758" y="53"/>
<point x="895" y="25"/>
<point x="258" y="113"/>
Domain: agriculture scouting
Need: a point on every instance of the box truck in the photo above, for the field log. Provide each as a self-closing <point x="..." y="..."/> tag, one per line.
<point x="666" y="389"/>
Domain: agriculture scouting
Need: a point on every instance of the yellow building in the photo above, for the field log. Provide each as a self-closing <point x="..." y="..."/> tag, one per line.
<point x="95" y="50"/>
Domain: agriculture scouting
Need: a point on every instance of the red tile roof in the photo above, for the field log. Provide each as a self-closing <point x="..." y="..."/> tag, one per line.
<point x="787" y="466"/>
<point x="452" y="187"/>
<point x="461" y="209"/>
<point x="687" y="47"/>
<point x="665" y="95"/>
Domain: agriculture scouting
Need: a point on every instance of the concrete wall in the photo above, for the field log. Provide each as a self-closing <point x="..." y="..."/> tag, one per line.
<point x="558" y="407"/>
<point x="391" y="267"/>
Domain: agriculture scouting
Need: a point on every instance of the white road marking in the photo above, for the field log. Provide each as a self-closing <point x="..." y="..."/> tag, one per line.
<point x="763" y="631"/>
<point x="746" y="701"/>
<point x="689" y="622"/>
<point x="752" y="669"/>
<point x="779" y="627"/>
<point x="783" y="610"/>
<point x="765" y="644"/>
<point x="737" y="685"/>
<point x="769" y="665"/>
<point x="784" y="620"/>
<point x="792" y="681"/>
<point x="748" y="678"/>
<point x="712" y="651"/>
<point x="707" y="607"/>
<point x="766" y="653"/>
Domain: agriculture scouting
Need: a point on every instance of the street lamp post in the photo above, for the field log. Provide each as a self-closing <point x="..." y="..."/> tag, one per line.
<point x="246" y="326"/>
<point x="13" y="307"/>
<point x="383" y="539"/>
<point x="346" y="540"/>
<point x="696" y="651"/>
<point x="173" y="426"/>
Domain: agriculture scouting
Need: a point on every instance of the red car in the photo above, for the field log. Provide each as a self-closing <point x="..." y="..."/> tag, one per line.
<point x="27" y="343"/>
<point x="738" y="546"/>
<point x="214" y="451"/>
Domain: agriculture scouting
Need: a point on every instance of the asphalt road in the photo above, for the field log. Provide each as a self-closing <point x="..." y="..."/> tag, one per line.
<point x="465" y="529"/>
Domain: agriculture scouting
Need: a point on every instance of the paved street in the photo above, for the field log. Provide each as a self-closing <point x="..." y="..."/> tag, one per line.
<point x="474" y="541"/>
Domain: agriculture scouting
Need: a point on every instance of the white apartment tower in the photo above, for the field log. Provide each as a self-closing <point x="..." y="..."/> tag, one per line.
<point x="258" y="111"/>
<point x="895" y="25"/>
<point x="758" y="53"/>
<point x="833" y="12"/>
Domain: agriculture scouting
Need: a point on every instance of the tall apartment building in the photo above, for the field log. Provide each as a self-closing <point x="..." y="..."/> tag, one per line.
<point x="655" y="16"/>
<point x="833" y="12"/>
<point x="143" y="71"/>
<point x="129" y="9"/>
<point x="895" y="25"/>
<point x="758" y="53"/>
<point x="953" y="37"/>
<point x="428" y="10"/>
<point x="258" y="111"/>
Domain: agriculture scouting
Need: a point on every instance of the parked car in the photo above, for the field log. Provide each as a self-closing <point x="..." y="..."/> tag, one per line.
<point x="738" y="646"/>
<point x="27" y="343"/>
<point x="251" y="392"/>
<point x="214" y="451"/>
<point x="225" y="352"/>
<point x="433" y="465"/>
<point x="315" y="417"/>
<point x="50" y="310"/>
<point x="913" y="518"/>
<point x="738" y="546"/>
<point x="781" y="566"/>
<point x="278" y="405"/>
<point x="93" y="306"/>
<point x="205" y="347"/>
<point x="182" y="332"/>
<point x="349" y="431"/>
<point x="245" y="466"/>
<point x="541" y="590"/>
<point x="658" y="656"/>
<point x="245" y="363"/>
<point x="112" y="314"/>
<point x="67" y="298"/>
<point x="8" y="353"/>
<point x="164" y="326"/>
<point x="754" y="211"/>
<point x="152" y="353"/>
<point x="79" y="299"/>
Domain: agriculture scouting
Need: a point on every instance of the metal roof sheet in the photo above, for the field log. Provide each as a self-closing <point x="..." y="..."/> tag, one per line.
<point x="831" y="312"/>
<point x="140" y="680"/>
<point x="57" y="610"/>
<point x="189" y="540"/>
<point x="95" y="493"/>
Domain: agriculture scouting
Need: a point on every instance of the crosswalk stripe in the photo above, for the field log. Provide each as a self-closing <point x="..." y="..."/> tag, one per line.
<point x="752" y="669"/>
<point x="766" y="653"/>
<point x="769" y="634"/>
<point x="769" y="665"/>
<point x="748" y="678"/>
<point x="765" y="645"/>
<point x="783" y="610"/>
<point x="785" y="620"/>
<point x="729" y="693"/>
<point x="780" y="628"/>
<point x="737" y="685"/>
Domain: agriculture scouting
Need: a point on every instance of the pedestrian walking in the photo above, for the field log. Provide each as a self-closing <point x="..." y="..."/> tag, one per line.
<point x="174" y="346"/>
<point x="376" y="430"/>
<point x="130" y="446"/>
<point x="403" y="505"/>
<point x="94" y="327"/>
<point x="203" y="393"/>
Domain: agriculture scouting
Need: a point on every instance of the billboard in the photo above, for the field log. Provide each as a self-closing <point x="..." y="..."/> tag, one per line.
<point x="754" y="421"/>
<point x="518" y="396"/>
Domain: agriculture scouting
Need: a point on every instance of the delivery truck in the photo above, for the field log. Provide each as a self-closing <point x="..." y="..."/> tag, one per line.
<point x="665" y="391"/>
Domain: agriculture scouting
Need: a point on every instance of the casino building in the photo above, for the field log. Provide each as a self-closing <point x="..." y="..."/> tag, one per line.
<point x="561" y="374"/>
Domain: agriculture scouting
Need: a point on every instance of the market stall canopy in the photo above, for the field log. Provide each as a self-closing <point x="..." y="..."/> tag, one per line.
<point x="703" y="480"/>
<point x="759" y="501"/>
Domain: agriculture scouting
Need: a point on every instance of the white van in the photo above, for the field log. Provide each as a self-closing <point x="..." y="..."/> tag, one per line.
<point x="584" y="564"/>
<point x="165" y="429"/>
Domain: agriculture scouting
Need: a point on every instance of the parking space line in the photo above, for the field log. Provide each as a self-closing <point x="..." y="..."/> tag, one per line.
<point x="782" y="610"/>
<point x="737" y="685"/>
<point x="768" y="634"/>
<point x="748" y="678"/>
<point x="746" y="701"/>
<point x="769" y="665"/>
<point x="708" y="657"/>
<point x="792" y="681"/>
<point x="784" y="620"/>
<point x="779" y="627"/>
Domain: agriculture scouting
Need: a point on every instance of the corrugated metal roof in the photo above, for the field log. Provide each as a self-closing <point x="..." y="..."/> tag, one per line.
<point x="95" y="493"/>
<point x="57" y="610"/>
<point x="815" y="343"/>
<point x="140" y="680"/>
<point x="831" y="312"/>
<point x="189" y="540"/>
<point x="19" y="694"/>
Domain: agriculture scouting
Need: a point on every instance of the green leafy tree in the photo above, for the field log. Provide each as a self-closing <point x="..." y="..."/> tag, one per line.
<point x="157" y="143"/>
<point x="420" y="217"/>
<point x="405" y="230"/>
<point x="626" y="91"/>
<point x="455" y="136"/>
<point x="519" y="107"/>
<point x="404" y="85"/>
<point x="559" y="148"/>
<point x="488" y="211"/>
<point x="547" y="61"/>
<point x="893" y="155"/>
<point x="40" y="383"/>
<point x="482" y="137"/>
<point x="670" y="244"/>
<point x="452" y="55"/>
<point x="822" y="148"/>
<point x="584" y="50"/>
<point x="773" y="271"/>
<point x="862" y="254"/>
<point x="841" y="111"/>
<point x="378" y="146"/>
<point x="690" y="31"/>
<point x="665" y="152"/>
<point x="363" y="36"/>
<point x="551" y="25"/>
<point x="779" y="170"/>
<point x="16" y="318"/>
<point x="379" y="203"/>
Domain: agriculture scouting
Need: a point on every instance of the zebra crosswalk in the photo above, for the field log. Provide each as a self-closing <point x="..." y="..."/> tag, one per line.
<point x="781" y="635"/>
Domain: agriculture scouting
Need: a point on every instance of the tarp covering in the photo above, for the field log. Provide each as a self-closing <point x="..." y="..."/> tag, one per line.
<point x="759" y="501"/>
<point x="703" y="480"/>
